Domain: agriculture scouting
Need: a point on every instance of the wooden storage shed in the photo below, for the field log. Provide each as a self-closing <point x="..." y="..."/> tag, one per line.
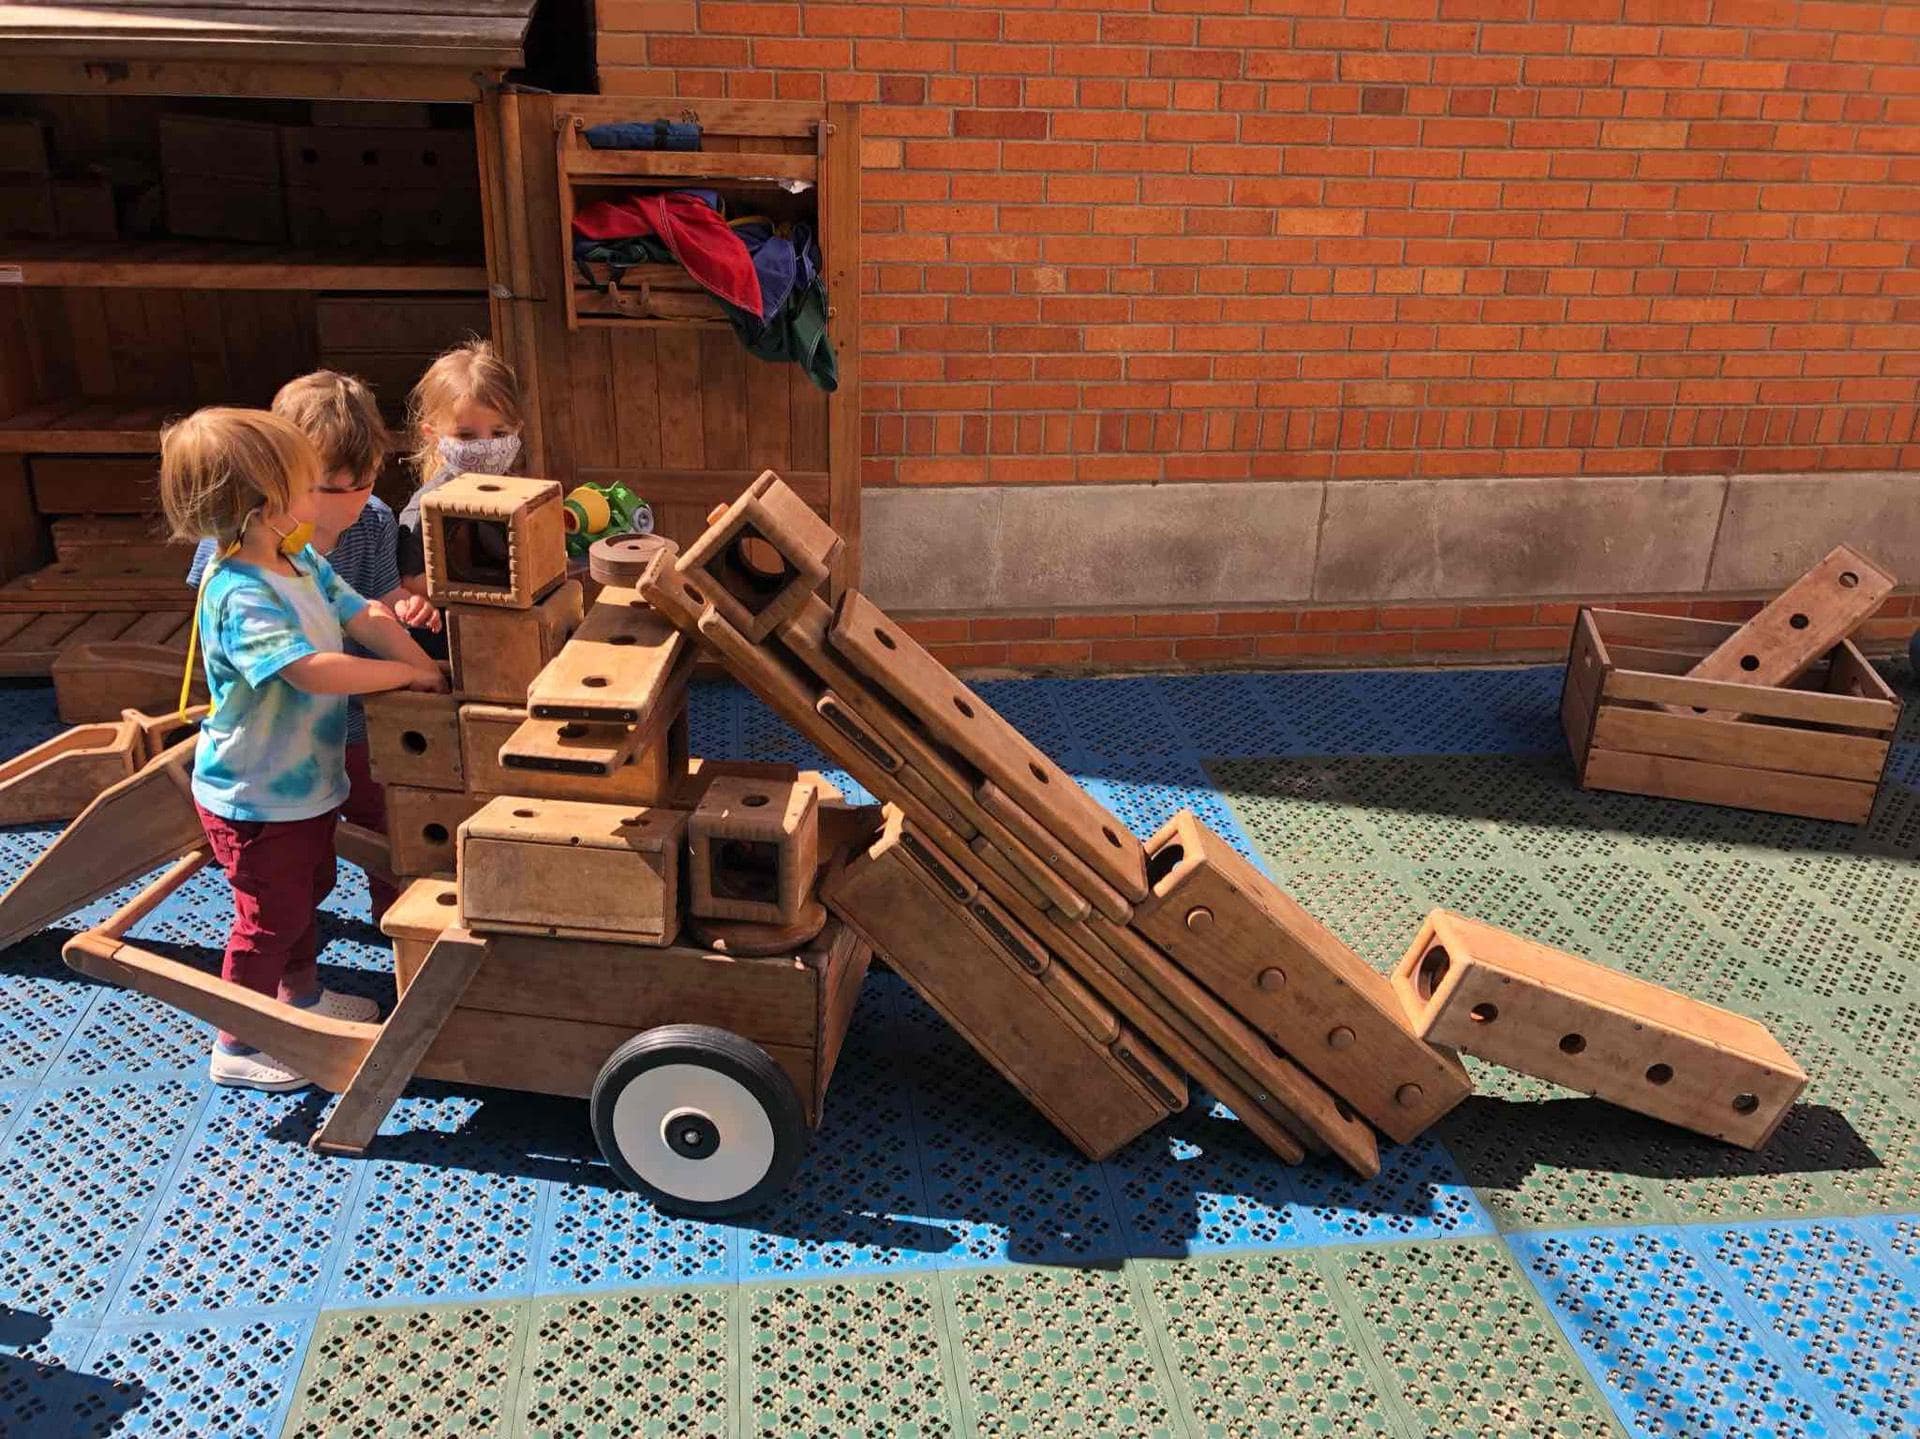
<point x="199" y="203"/>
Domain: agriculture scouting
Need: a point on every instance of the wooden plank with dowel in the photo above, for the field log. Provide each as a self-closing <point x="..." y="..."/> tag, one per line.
<point x="1559" y="1017"/>
<point x="1807" y="619"/>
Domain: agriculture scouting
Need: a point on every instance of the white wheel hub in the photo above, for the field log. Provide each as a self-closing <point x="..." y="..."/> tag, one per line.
<point x="693" y="1132"/>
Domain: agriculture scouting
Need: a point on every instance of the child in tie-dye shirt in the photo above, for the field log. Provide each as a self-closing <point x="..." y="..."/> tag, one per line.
<point x="269" y="774"/>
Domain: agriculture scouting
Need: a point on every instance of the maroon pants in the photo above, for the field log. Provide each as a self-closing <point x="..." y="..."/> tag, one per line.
<point x="367" y="806"/>
<point x="280" y="872"/>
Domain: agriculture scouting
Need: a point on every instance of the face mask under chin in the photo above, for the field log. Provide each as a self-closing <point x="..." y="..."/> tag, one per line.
<point x="493" y="456"/>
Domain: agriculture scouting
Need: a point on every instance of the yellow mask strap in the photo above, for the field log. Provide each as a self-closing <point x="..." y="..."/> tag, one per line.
<point x="193" y="633"/>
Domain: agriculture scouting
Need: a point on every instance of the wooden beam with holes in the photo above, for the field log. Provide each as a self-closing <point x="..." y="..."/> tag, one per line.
<point x="1276" y="966"/>
<point x="1808" y="618"/>
<point x="1558" y="1017"/>
<point x="620" y="665"/>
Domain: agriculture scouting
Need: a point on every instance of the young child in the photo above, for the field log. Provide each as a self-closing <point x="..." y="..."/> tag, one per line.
<point x="466" y="418"/>
<point x="269" y="774"/>
<point x="355" y="531"/>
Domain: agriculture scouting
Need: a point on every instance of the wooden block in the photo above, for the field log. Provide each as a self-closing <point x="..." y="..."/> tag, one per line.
<point x="498" y="652"/>
<point x="422" y="826"/>
<point x="493" y="540"/>
<point x="1281" y="970"/>
<point x="998" y="861"/>
<point x="94" y="682"/>
<point x="425" y="909"/>
<point x="1807" y="619"/>
<point x="1055" y="856"/>
<point x="967" y="724"/>
<point x="59" y="778"/>
<point x="1093" y="1097"/>
<point x="762" y="558"/>
<point x="1566" y="1019"/>
<point x="620" y="560"/>
<point x="624" y="660"/>
<point x="567" y="868"/>
<point x="413" y="739"/>
<point x="836" y="712"/>
<point x="757" y="941"/>
<point x="753" y="850"/>
<point x="646" y="776"/>
<point x="570" y="747"/>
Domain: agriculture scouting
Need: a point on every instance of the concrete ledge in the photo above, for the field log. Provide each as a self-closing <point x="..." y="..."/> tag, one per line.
<point x="1777" y="526"/>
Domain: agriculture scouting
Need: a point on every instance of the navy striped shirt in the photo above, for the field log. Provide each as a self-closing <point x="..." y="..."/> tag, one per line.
<point x="366" y="557"/>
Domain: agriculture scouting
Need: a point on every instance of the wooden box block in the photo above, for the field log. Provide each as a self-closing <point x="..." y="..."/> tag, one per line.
<point x="761" y="559"/>
<point x="493" y="540"/>
<point x="1636" y="721"/>
<point x="753" y="849"/>
<point x="1568" y="1020"/>
<point x="570" y="747"/>
<point x="623" y="661"/>
<point x="647" y="775"/>
<point x="1235" y="931"/>
<point x="424" y="910"/>
<point x="1063" y="1057"/>
<point x="565" y="867"/>
<point x="497" y="652"/>
<point x="414" y="739"/>
<point x="423" y="827"/>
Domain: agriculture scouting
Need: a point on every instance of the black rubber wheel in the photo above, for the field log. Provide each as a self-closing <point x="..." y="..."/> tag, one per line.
<point x="698" y="1119"/>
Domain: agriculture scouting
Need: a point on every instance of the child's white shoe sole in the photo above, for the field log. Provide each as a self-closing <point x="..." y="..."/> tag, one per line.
<point x="253" y="1071"/>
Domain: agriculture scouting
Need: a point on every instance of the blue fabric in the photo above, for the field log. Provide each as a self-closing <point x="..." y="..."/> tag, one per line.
<point x="270" y="751"/>
<point x="644" y="135"/>
<point x="367" y="557"/>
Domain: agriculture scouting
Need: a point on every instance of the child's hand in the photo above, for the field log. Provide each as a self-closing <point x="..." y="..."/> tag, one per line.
<point x="417" y="612"/>
<point x="429" y="681"/>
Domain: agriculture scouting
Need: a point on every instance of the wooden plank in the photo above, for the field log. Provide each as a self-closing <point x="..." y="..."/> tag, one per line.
<point x="620" y="665"/>
<point x="573" y="747"/>
<point x="705" y="488"/>
<point x="897" y="664"/>
<point x="1757" y="701"/>
<point x="1729" y="742"/>
<point x="636" y="380"/>
<point x="716" y="118"/>
<point x="1816" y="797"/>
<point x="413" y="75"/>
<point x="840" y="251"/>
<point x="647" y="776"/>
<point x="497" y="653"/>
<point x="723" y="399"/>
<point x="682" y="433"/>
<point x="403" y="1042"/>
<point x="1057" y="857"/>
<point x="1580" y="690"/>
<point x="586" y="163"/>
<point x="1851" y="674"/>
<point x="1666" y="632"/>
<point x="1566" y="1019"/>
<point x="1807" y="619"/>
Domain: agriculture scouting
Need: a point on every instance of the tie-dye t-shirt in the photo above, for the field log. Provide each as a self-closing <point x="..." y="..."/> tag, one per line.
<point x="270" y="751"/>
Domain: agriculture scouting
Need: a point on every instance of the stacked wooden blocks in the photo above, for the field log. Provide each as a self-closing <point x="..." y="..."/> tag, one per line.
<point x="1782" y="713"/>
<point x="1095" y="973"/>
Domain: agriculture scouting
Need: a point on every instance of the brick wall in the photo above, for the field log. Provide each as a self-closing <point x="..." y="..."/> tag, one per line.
<point x="1343" y="240"/>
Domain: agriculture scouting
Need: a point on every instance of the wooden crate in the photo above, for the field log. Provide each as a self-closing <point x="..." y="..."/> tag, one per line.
<point x="544" y="1014"/>
<point x="1636" y="722"/>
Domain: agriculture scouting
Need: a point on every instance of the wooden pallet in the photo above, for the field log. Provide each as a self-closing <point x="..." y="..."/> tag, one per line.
<point x="32" y="639"/>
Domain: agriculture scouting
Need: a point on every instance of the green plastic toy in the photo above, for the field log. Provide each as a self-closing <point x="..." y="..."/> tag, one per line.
<point x="594" y="512"/>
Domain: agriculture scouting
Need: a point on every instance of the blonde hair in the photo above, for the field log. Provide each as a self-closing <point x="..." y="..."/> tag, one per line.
<point x="339" y="415"/>
<point x="470" y="371"/>
<point x="220" y="464"/>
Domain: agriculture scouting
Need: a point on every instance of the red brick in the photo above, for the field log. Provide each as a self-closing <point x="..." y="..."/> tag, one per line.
<point x="1093" y="627"/>
<point x="1454" y="640"/>
<point x="1131" y="652"/>
<point x="1474" y="616"/>
<point x="1176" y="624"/>
<point x="969" y="656"/>
<point x="1539" y="637"/>
<point x="1290" y="646"/>
<point x="1049" y="652"/>
<point x="1320" y="620"/>
<point x="935" y="632"/>
<point x="1374" y="644"/>
<point x="1012" y="627"/>
<point x="1417" y="617"/>
<point x="1258" y="622"/>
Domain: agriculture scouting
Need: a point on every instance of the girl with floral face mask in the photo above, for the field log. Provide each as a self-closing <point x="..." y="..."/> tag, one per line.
<point x="466" y="415"/>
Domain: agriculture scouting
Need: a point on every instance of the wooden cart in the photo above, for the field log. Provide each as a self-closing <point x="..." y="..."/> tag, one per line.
<point x="704" y="1072"/>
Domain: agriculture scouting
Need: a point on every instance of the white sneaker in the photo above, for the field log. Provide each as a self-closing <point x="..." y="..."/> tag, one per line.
<point x="335" y="1005"/>
<point x="258" y="1070"/>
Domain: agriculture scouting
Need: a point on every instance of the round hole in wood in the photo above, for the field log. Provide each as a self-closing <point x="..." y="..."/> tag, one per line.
<point x="524" y="813"/>
<point x="753" y="801"/>
<point x="1434" y="965"/>
<point x="1799" y="622"/>
<point x="886" y="640"/>
<point x="1659" y="1073"/>
<point x="759" y="559"/>
<point x="622" y="639"/>
<point x="1037" y="772"/>
<point x="594" y="682"/>
<point x="1573" y="1043"/>
<point x="692" y="593"/>
<point x="446" y="897"/>
<point x="488" y="489"/>
<point x="1749" y="663"/>
<point x="964" y="708"/>
<point x="573" y="839"/>
<point x="1745" y="1103"/>
<point x="573" y="729"/>
<point x="1199" y="919"/>
<point x="413" y="742"/>
<point x="434" y="833"/>
<point x="1112" y="838"/>
<point x="1848" y="579"/>
<point x="1699" y="709"/>
<point x="1484" y="1013"/>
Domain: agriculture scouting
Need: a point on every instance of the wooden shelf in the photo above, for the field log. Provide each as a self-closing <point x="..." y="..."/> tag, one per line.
<point x="679" y="166"/>
<point x="87" y="427"/>
<point x="211" y="265"/>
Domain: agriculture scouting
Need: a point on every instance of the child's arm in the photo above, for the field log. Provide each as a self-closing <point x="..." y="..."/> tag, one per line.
<point x="375" y="628"/>
<point x="332" y="673"/>
<point x="414" y="611"/>
<point x="415" y="584"/>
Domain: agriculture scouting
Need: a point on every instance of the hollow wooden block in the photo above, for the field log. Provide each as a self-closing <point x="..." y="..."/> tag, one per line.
<point x="621" y="663"/>
<point x="498" y="652"/>
<point x="493" y="540"/>
<point x="761" y="559"/>
<point x="425" y="909"/>
<point x="1240" y="935"/>
<point x="1807" y="619"/>
<point x="414" y="739"/>
<point x="1064" y="1056"/>
<point x="646" y="776"/>
<point x="1562" y="1018"/>
<point x="569" y="868"/>
<point x="569" y="747"/>
<point x="753" y="849"/>
<point x="59" y="778"/>
<point x="422" y="828"/>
